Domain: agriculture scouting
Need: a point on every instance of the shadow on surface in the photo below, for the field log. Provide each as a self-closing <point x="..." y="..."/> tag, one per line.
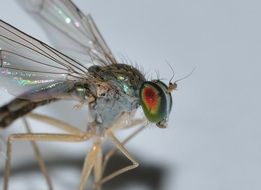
<point x="150" y="176"/>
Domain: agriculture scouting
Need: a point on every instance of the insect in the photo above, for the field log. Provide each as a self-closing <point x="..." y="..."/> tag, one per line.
<point x="84" y="69"/>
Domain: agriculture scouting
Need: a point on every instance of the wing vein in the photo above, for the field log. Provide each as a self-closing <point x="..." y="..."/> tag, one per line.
<point x="41" y="51"/>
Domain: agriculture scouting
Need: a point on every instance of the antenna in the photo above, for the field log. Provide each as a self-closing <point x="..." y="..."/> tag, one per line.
<point x="171" y="70"/>
<point x="182" y="78"/>
<point x="173" y="86"/>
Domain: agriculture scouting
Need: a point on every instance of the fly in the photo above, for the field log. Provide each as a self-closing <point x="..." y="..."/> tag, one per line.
<point x="84" y="69"/>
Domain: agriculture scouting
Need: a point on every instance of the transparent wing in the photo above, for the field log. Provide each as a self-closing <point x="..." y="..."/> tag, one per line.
<point x="33" y="70"/>
<point x="70" y="30"/>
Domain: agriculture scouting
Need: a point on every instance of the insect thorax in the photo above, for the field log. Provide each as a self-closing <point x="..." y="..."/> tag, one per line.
<point x="116" y="91"/>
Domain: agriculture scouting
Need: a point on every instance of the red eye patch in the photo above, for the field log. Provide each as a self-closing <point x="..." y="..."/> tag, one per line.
<point x="151" y="97"/>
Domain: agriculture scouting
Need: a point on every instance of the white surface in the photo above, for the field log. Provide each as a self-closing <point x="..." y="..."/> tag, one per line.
<point x="213" y="140"/>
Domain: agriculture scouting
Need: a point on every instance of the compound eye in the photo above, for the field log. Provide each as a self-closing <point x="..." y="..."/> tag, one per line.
<point x="153" y="101"/>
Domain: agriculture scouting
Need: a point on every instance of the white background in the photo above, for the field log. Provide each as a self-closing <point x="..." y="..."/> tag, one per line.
<point x="213" y="139"/>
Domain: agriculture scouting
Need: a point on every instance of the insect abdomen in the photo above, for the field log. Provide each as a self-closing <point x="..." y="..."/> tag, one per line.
<point x="17" y="108"/>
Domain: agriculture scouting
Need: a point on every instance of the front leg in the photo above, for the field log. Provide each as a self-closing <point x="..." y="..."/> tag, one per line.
<point x="121" y="148"/>
<point x="114" y="150"/>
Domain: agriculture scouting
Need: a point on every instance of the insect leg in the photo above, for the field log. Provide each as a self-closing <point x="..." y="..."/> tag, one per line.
<point x="55" y="123"/>
<point x="98" y="171"/>
<point x="120" y="147"/>
<point x="126" y="121"/>
<point x="39" y="156"/>
<point x="89" y="162"/>
<point x="37" y="137"/>
<point x="114" y="150"/>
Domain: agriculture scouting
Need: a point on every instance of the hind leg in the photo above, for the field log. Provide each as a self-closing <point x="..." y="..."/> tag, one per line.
<point x="39" y="157"/>
<point x="75" y="135"/>
<point x="37" y="137"/>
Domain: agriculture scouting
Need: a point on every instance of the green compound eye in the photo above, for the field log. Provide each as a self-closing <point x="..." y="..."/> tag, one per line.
<point x="156" y="102"/>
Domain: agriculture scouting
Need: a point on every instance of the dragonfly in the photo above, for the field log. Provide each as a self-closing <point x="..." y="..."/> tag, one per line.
<point x="79" y="67"/>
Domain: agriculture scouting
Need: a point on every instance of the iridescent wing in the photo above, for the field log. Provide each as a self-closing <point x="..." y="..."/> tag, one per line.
<point x="33" y="70"/>
<point x="70" y="30"/>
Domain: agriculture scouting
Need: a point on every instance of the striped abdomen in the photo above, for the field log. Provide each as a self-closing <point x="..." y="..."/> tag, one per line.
<point x="17" y="108"/>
